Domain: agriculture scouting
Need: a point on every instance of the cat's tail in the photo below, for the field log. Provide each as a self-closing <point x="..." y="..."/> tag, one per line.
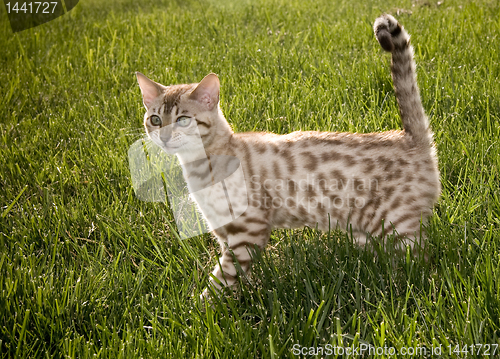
<point x="393" y="38"/>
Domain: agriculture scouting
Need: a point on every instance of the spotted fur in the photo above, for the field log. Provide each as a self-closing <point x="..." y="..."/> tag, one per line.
<point x="371" y="183"/>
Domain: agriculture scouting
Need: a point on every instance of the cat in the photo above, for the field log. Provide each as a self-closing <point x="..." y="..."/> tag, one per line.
<point x="372" y="184"/>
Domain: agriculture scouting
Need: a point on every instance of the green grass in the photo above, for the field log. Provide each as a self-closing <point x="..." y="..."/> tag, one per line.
<point x="87" y="270"/>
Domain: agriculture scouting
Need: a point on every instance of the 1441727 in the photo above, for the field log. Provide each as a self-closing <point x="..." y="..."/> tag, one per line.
<point x="32" y="7"/>
<point x="473" y="349"/>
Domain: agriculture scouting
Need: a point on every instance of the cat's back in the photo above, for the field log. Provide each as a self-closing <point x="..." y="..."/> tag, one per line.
<point x="316" y="147"/>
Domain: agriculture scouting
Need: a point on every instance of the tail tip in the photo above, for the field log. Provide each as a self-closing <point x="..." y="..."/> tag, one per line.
<point x="386" y="29"/>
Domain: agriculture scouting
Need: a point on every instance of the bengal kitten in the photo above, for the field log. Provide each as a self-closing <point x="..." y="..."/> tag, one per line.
<point x="372" y="184"/>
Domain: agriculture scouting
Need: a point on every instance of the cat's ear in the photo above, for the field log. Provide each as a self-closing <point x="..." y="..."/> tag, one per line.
<point x="150" y="89"/>
<point x="207" y="92"/>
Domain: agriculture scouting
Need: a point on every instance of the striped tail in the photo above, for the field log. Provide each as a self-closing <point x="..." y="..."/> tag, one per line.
<point x="393" y="38"/>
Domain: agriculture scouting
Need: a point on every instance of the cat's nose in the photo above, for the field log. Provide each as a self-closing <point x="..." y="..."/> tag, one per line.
<point x="165" y="138"/>
<point x="165" y="134"/>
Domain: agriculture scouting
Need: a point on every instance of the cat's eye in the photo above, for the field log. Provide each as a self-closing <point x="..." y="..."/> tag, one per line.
<point x="183" y="121"/>
<point x="155" y="120"/>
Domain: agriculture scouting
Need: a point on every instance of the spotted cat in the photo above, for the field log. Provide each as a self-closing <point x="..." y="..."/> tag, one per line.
<point x="373" y="183"/>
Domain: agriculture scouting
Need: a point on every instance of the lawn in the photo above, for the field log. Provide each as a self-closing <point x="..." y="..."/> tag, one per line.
<point x="89" y="270"/>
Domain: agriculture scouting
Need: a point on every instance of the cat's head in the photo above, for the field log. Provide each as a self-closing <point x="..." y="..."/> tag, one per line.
<point x="181" y="118"/>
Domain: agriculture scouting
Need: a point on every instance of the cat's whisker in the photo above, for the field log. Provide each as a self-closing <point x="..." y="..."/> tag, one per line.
<point x="132" y="132"/>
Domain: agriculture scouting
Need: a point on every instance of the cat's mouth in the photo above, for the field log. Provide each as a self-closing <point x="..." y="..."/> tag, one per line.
<point x="172" y="146"/>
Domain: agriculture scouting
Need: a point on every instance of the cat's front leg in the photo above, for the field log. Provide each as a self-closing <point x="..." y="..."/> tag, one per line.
<point x="237" y="240"/>
<point x="225" y="273"/>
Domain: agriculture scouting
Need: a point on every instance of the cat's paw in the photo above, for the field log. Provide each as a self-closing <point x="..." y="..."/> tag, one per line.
<point x="213" y="297"/>
<point x="389" y="32"/>
<point x="206" y="300"/>
<point x="205" y="295"/>
<point x="211" y="292"/>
